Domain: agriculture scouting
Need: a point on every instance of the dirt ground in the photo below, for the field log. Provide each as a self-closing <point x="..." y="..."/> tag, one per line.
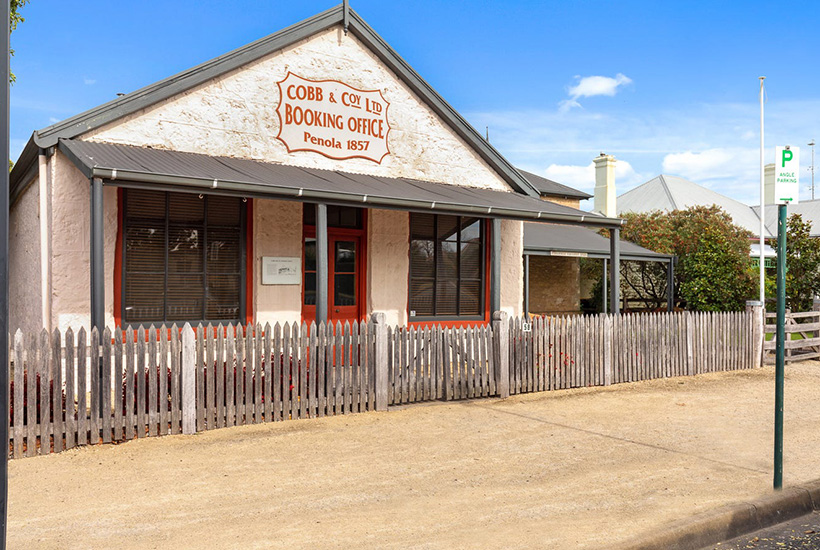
<point x="574" y="469"/>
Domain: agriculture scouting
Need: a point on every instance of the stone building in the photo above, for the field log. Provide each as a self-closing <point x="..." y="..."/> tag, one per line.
<point x="311" y="174"/>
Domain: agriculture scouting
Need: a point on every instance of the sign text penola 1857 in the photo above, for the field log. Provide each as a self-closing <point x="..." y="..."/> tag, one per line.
<point x="332" y="118"/>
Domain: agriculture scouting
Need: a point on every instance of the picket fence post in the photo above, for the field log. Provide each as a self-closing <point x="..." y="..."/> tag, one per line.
<point x="380" y="363"/>
<point x="608" y="362"/>
<point x="501" y="351"/>
<point x="756" y="310"/>
<point x="690" y="343"/>
<point x="188" y="380"/>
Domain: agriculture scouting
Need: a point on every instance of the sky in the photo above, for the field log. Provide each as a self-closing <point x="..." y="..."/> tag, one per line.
<point x="665" y="87"/>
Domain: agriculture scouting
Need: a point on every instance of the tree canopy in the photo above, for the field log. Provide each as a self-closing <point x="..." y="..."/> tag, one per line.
<point x="802" y="264"/>
<point x="14" y="19"/>
<point x="714" y="270"/>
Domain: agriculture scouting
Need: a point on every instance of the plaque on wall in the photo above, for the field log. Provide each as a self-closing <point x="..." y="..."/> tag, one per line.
<point x="281" y="271"/>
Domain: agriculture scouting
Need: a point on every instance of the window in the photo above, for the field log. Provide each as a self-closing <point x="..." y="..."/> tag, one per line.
<point x="347" y="217"/>
<point x="183" y="258"/>
<point x="447" y="261"/>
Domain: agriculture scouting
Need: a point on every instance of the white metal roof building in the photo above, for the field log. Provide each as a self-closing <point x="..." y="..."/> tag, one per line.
<point x="667" y="193"/>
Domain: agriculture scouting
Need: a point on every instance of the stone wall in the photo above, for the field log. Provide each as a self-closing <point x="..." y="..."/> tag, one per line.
<point x="235" y="116"/>
<point x="555" y="284"/>
<point x="277" y="228"/>
<point x="572" y="203"/>
<point x="70" y="246"/>
<point x="25" y="312"/>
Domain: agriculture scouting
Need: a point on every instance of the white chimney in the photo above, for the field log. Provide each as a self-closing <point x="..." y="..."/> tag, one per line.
<point x="605" y="186"/>
<point x="768" y="184"/>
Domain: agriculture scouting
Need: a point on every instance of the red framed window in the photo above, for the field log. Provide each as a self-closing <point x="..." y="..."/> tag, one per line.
<point x="447" y="268"/>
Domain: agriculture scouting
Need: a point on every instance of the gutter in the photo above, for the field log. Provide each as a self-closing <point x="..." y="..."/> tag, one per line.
<point x="127" y="178"/>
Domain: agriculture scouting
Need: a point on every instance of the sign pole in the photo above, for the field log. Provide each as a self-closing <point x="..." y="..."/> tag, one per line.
<point x="781" y="345"/>
<point x="786" y="190"/>
<point x="4" y="276"/>
<point x="762" y="206"/>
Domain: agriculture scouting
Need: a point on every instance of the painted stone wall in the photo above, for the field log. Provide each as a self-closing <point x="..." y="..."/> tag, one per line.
<point x="24" y="262"/>
<point x="388" y="264"/>
<point x="235" y="116"/>
<point x="512" y="268"/>
<point x="555" y="285"/>
<point x="70" y="258"/>
<point x="277" y="231"/>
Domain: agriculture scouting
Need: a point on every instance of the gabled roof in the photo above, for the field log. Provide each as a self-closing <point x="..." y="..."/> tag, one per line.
<point x="667" y="193"/>
<point x="543" y="238"/>
<point x="549" y="188"/>
<point x="169" y="87"/>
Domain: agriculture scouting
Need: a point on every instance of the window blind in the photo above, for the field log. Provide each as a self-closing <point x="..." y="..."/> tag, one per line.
<point x="183" y="257"/>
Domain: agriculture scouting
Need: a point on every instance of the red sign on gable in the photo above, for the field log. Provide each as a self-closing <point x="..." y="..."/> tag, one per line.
<point x="332" y="119"/>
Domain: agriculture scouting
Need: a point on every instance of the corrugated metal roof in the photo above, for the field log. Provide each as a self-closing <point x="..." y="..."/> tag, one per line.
<point x="810" y="210"/>
<point x="547" y="237"/>
<point x="667" y="193"/>
<point x="553" y="188"/>
<point x="128" y="165"/>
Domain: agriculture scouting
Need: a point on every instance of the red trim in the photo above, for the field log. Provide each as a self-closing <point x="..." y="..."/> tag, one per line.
<point x="309" y="312"/>
<point x="118" y="261"/>
<point x="250" y="270"/>
<point x="487" y="267"/>
<point x="118" y="247"/>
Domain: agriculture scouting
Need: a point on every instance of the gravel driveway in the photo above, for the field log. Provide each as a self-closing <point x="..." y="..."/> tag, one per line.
<point x="571" y="469"/>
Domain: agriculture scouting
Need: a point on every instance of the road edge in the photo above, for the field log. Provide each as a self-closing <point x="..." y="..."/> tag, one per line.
<point x="732" y="521"/>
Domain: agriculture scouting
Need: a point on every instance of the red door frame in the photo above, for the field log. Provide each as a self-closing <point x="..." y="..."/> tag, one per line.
<point x="333" y="234"/>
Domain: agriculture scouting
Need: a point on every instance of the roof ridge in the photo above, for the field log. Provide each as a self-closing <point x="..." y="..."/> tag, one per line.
<point x="169" y="87"/>
<point x="668" y="191"/>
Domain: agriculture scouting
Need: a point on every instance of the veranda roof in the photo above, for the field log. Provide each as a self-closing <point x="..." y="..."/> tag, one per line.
<point x="131" y="166"/>
<point x="563" y="240"/>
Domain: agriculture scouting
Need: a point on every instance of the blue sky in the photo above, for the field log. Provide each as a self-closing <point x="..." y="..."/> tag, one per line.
<point x="667" y="87"/>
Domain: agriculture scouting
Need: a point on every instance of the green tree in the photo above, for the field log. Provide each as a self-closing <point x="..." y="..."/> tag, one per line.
<point x="802" y="264"/>
<point x="14" y="19"/>
<point x="714" y="271"/>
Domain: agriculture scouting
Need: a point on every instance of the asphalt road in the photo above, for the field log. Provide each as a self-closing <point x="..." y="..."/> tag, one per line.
<point x="802" y="533"/>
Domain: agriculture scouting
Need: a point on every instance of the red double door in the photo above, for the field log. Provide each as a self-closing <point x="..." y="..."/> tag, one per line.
<point x="345" y="266"/>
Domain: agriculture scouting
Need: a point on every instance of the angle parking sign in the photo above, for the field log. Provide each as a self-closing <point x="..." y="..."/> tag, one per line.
<point x="786" y="175"/>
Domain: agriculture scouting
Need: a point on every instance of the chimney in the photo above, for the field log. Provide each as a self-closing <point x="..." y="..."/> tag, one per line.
<point x="768" y="184"/>
<point x="605" y="186"/>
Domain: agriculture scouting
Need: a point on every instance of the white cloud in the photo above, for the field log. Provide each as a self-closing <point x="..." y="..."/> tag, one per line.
<point x="53" y="120"/>
<point x="89" y="81"/>
<point x="712" y="144"/>
<point x="590" y="86"/>
<point x="583" y="176"/>
<point x="714" y="164"/>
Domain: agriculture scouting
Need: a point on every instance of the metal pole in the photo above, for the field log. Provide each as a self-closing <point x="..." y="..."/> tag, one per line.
<point x="526" y="286"/>
<point x="604" y="297"/>
<point x="4" y="280"/>
<point x="615" y="270"/>
<point x="781" y="346"/>
<point x="495" y="264"/>
<point x="321" y="264"/>
<point x="97" y="257"/>
<point x="812" y="169"/>
<point x="762" y="204"/>
<point x="670" y="285"/>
